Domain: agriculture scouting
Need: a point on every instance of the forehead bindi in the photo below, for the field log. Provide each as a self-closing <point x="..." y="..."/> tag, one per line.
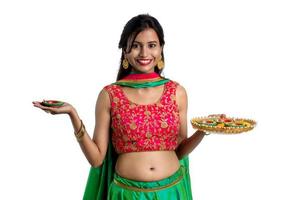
<point x="146" y="36"/>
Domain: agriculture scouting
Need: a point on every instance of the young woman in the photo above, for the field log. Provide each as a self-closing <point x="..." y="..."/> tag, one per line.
<point x="139" y="148"/>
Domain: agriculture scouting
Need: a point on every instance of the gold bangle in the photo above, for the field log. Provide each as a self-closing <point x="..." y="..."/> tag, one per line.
<point x="79" y="135"/>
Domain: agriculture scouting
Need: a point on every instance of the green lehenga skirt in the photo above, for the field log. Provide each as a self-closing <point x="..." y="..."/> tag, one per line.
<point x="175" y="187"/>
<point x="103" y="183"/>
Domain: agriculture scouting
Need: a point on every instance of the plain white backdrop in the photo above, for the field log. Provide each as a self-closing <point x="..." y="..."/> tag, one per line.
<point x="234" y="57"/>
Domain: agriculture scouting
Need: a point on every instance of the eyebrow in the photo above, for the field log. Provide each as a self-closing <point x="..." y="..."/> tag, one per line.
<point x="147" y="42"/>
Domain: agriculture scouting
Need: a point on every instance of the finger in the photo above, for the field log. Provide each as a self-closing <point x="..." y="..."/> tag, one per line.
<point x="44" y="108"/>
<point x="49" y="109"/>
<point x="40" y="106"/>
<point x="35" y="103"/>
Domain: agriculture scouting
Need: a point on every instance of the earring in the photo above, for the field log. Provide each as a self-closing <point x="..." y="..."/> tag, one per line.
<point x="125" y="63"/>
<point x="160" y="65"/>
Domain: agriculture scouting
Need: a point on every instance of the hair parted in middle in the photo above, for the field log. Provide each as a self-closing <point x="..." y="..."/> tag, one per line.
<point x="132" y="28"/>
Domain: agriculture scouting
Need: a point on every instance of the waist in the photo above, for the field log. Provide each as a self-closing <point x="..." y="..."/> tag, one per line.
<point x="150" y="186"/>
<point x="147" y="166"/>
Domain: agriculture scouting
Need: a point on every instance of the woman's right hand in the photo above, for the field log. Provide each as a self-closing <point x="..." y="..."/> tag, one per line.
<point x="66" y="108"/>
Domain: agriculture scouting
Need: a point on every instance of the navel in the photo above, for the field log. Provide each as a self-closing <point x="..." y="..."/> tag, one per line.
<point x="152" y="168"/>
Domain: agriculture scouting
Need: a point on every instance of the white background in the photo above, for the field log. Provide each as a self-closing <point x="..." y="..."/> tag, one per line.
<point x="233" y="57"/>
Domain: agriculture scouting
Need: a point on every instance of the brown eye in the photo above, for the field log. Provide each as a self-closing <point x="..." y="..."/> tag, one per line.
<point x="152" y="45"/>
<point x="134" y="46"/>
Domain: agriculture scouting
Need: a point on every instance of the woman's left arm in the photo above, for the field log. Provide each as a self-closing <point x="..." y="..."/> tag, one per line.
<point x="186" y="145"/>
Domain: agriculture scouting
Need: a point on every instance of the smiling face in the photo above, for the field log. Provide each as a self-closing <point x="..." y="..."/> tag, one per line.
<point x="145" y="52"/>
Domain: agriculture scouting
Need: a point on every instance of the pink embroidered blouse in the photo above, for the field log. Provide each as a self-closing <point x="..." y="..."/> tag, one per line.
<point x="152" y="127"/>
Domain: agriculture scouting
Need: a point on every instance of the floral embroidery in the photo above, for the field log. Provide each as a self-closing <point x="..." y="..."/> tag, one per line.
<point x="150" y="127"/>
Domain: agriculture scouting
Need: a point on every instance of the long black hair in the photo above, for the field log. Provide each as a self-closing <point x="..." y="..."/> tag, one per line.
<point x="132" y="28"/>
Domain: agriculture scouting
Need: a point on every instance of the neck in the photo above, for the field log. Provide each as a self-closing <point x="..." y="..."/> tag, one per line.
<point x="139" y="72"/>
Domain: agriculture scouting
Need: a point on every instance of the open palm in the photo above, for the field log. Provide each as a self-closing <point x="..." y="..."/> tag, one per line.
<point x="66" y="108"/>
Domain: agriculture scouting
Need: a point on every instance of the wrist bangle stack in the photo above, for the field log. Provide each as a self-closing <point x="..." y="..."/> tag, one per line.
<point x="79" y="135"/>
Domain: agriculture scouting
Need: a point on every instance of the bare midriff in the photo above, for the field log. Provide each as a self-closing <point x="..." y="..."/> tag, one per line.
<point x="147" y="166"/>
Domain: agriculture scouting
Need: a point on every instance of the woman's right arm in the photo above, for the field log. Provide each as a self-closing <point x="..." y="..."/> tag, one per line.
<point x="95" y="148"/>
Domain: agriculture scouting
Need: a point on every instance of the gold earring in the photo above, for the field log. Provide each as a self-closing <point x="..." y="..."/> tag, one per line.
<point x="125" y="63"/>
<point x="160" y="64"/>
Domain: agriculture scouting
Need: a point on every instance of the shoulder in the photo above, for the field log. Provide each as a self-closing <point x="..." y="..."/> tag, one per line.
<point x="112" y="89"/>
<point x="181" y="96"/>
<point x="180" y="90"/>
<point x="109" y="87"/>
<point x="181" y="93"/>
<point x="105" y="95"/>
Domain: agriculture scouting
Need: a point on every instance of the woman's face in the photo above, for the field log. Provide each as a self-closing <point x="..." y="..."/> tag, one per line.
<point x="145" y="52"/>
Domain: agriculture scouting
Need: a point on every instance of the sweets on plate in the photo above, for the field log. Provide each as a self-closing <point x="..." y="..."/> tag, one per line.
<point x="220" y="123"/>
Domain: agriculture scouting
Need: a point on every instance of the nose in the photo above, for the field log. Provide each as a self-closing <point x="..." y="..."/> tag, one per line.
<point x="144" y="51"/>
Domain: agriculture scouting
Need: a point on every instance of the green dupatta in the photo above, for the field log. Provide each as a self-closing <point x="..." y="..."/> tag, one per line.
<point x="100" y="178"/>
<point x="136" y="80"/>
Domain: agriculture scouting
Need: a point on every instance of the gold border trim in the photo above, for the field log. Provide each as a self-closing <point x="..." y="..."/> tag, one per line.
<point x="136" y="189"/>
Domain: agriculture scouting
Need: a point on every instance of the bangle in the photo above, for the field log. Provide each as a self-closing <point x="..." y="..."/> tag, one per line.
<point x="79" y="135"/>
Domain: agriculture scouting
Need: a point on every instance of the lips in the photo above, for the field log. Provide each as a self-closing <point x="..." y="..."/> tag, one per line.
<point x="144" y="62"/>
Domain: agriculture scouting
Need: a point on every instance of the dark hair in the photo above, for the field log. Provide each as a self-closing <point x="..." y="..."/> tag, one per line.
<point x="133" y="27"/>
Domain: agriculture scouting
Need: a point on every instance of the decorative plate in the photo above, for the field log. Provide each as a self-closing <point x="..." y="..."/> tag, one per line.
<point x="222" y="124"/>
<point x="52" y="103"/>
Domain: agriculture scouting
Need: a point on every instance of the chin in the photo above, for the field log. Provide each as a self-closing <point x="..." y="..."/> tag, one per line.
<point x="144" y="69"/>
